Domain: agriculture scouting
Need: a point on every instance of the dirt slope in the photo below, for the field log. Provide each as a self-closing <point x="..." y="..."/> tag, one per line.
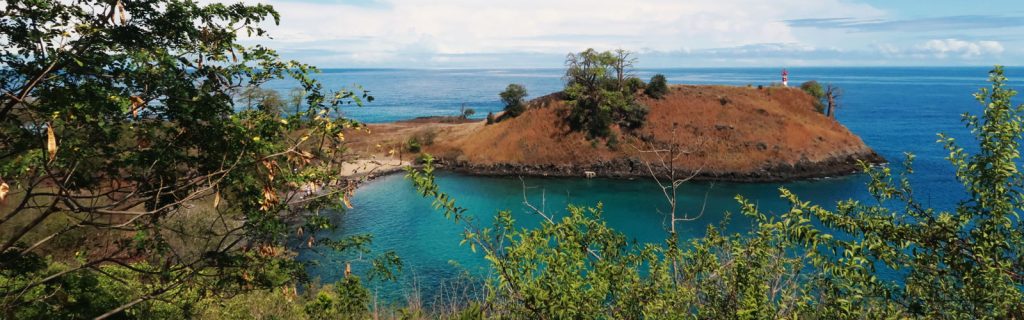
<point x="724" y="133"/>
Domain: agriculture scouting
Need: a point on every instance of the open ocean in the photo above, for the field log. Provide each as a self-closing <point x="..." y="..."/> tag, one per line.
<point x="894" y="110"/>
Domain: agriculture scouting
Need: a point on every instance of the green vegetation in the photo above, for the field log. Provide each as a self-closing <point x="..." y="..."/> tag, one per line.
<point x="144" y="172"/>
<point x="490" y="118"/>
<point x="413" y="144"/>
<point x="599" y="94"/>
<point x="807" y="262"/>
<point x="635" y="84"/>
<point x="514" y="98"/>
<point x="827" y="97"/>
<point x="658" y="87"/>
<point x="465" y="113"/>
<point x="814" y="89"/>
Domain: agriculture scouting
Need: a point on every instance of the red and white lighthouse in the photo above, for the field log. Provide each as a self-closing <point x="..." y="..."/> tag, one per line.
<point x="785" y="78"/>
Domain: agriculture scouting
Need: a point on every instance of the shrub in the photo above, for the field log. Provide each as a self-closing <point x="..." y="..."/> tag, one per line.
<point x="815" y="89"/>
<point x="658" y="87"/>
<point x="490" y="118"/>
<point x="426" y="137"/>
<point x="414" y="144"/>
<point x="724" y="100"/>
<point x="635" y="84"/>
<point x="513" y="97"/>
<point x="612" y="142"/>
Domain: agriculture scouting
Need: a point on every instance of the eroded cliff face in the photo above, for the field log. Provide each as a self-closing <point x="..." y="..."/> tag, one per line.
<point x="718" y="132"/>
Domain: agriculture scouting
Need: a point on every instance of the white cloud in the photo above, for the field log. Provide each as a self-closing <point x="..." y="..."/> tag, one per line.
<point x="538" y="33"/>
<point x="419" y="29"/>
<point x="942" y="48"/>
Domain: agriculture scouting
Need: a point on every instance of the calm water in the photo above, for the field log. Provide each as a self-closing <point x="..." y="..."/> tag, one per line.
<point x="894" y="110"/>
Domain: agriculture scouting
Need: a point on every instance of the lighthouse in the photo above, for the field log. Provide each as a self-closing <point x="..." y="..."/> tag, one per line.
<point x="785" y="78"/>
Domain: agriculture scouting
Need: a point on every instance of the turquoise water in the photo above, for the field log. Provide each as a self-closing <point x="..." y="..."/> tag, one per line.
<point x="894" y="110"/>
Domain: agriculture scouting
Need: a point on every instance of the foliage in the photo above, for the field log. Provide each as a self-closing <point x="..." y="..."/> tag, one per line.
<point x="658" y="87"/>
<point x="598" y="92"/>
<point x="350" y="300"/>
<point x="490" y="118"/>
<point x="423" y="138"/>
<point x="815" y="89"/>
<point x="514" y="99"/>
<point x="466" y="113"/>
<point x="892" y="259"/>
<point x="635" y="84"/>
<point x="612" y="142"/>
<point x="124" y="123"/>
<point x="413" y="144"/>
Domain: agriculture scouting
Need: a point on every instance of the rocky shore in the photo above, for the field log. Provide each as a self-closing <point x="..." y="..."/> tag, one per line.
<point x="636" y="168"/>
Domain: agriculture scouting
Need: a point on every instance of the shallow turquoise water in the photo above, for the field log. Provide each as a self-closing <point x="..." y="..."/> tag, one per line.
<point x="399" y="219"/>
<point x="894" y="110"/>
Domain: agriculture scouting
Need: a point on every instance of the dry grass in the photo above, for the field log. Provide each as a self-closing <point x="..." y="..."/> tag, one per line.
<point x="727" y="129"/>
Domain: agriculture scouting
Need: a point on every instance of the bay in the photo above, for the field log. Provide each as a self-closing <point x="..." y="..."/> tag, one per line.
<point x="894" y="110"/>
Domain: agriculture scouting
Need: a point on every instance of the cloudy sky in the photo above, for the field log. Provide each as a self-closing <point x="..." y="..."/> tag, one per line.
<point x="665" y="33"/>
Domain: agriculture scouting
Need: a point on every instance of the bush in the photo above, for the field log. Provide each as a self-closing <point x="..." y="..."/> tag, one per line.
<point x="513" y="97"/>
<point x="724" y="100"/>
<point x="658" y="87"/>
<point x="490" y="118"/>
<point x="635" y="84"/>
<point x="815" y="89"/>
<point x="612" y="142"/>
<point x="414" y="144"/>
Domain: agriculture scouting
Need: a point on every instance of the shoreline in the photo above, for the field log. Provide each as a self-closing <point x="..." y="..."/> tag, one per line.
<point x="634" y="169"/>
<point x="722" y="133"/>
<point x="810" y="171"/>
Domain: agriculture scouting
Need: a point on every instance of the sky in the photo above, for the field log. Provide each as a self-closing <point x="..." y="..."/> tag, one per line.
<point x="663" y="33"/>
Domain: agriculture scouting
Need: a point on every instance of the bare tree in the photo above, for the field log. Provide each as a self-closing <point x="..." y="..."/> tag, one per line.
<point x="661" y="163"/>
<point x="832" y="94"/>
<point x="623" y="65"/>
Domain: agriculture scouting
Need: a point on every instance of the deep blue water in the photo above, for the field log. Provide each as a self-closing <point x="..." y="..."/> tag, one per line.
<point x="894" y="110"/>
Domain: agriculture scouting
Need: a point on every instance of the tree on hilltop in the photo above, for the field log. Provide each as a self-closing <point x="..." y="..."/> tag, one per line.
<point x="514" y="98"/>
<point x="598" y="93"/>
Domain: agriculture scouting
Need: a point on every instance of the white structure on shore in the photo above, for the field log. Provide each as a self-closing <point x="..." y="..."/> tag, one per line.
<point x="785" y="77"/>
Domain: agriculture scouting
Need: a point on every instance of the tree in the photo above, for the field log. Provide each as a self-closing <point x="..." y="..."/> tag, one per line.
<point x="635" y="84"/>
<point x="658" y="87"/>
<point x="490" y="118"/>
<point x="513" y="97"/>
<point x="466" y="112"/>
<point x="814" y="89"/>
<point x="119" y="125"/>
<point x="831" y="97"/>
<point x="598" y="94"/>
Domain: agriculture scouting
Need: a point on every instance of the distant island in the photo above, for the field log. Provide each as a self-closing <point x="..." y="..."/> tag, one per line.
<point x="721" y="133"/>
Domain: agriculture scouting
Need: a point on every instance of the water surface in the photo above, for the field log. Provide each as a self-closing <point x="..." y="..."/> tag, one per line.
<point x="894" y="110"/>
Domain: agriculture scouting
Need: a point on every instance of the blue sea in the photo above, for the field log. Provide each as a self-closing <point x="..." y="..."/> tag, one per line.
<point x="894" y="110"/>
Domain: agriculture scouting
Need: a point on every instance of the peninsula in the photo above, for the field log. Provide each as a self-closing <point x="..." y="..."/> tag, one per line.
<point x="720" y="133"/>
